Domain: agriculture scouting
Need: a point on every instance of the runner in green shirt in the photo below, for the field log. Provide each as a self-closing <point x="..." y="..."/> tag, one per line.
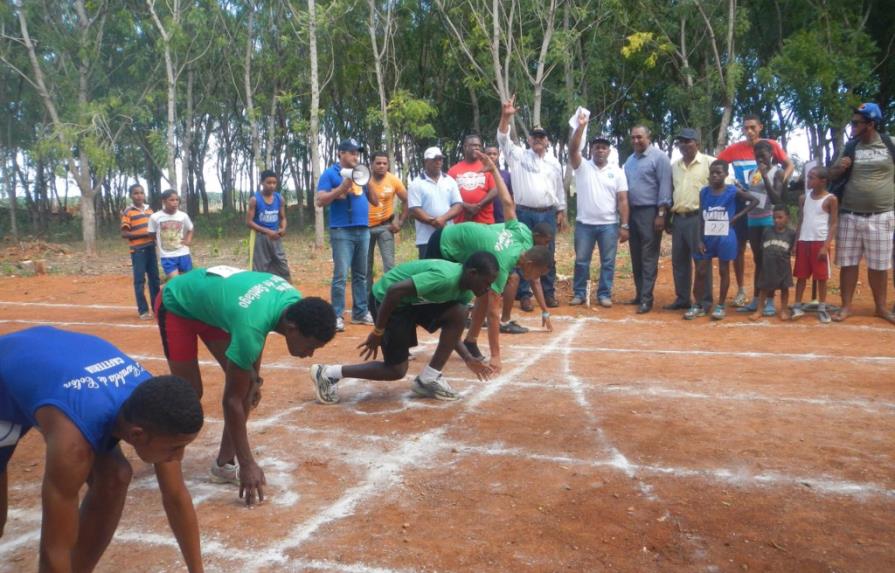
<point x="428" y="293"/>
<point x="233" y="311"/>
<point x="511" y="242"/>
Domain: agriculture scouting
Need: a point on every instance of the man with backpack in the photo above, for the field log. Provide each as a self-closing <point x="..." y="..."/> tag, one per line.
<point x="865" y="174"/>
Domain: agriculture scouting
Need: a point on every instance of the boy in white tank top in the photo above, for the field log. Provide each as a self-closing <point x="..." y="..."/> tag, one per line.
<point x="818" y="219"/>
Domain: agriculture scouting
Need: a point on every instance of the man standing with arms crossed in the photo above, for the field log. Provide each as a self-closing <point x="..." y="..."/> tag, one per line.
<point x="649" y="193"/>
<point x="476" y="185"/>
<point x="384" y="222"/>
<point x="538" y="189"/>
<point x="433" y="198"/>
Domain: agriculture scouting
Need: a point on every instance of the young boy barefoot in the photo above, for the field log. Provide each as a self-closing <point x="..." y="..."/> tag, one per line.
<point x="818" y="220"/>
<point x="717" y="203"/>
<point x="776" y="269"/>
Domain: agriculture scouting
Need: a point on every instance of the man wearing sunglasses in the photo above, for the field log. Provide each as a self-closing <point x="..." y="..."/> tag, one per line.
<point x="867" y="213"/>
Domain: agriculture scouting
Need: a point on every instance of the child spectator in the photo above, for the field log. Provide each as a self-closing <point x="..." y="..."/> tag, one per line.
<point x="173" y="234"/>
<point x="718" y="239"/>
<point x="266" y="216"/>
<point x="818" y="221"/>
<point x="776" y="269"/>
<point x="135" y="228"/>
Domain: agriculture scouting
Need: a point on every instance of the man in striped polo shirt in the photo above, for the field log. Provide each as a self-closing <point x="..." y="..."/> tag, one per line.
<point x="135" y="228"/>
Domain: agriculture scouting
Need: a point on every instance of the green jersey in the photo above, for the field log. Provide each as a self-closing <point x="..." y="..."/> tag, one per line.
<point x="244" y="304"/>
<point x="506" y="241"/>
<point x="436" y="281"/>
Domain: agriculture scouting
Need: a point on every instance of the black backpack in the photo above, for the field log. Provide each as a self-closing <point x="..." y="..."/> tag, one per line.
<point x="837" y="187"/>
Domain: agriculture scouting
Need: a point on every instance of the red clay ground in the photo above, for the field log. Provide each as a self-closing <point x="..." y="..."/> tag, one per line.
<point x="616" y="443"/>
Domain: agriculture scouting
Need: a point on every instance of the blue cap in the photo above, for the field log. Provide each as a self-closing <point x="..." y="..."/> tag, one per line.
<point x="870" y="111"/>
<point x="350" y="145"/>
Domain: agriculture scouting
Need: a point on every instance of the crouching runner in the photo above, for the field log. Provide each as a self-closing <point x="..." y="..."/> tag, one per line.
<point x="430" y="293"/>
<point x="84" y="395"/>
<point x="233" y="311"/>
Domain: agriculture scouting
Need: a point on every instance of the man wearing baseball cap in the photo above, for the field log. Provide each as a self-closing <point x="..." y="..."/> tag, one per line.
<point x="689" y="174"/>
<point x="867" y="213"/>
<point x="433" y="198"/>
<point x="349" y="233"/>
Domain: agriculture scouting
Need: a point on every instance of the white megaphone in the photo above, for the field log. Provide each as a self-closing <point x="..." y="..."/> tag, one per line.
<point x="359" y="174"/>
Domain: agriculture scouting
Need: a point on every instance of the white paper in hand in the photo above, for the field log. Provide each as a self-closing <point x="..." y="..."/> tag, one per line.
<point x="573" y="123"/>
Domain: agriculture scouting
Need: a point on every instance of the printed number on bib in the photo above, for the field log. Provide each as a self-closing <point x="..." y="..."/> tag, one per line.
<point x="717" y="228"/>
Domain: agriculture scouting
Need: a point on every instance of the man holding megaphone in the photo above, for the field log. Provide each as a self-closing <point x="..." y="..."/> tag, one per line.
<point x="343" y="186"/>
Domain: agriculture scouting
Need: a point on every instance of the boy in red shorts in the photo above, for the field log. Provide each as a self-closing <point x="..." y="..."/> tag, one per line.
<point x="818" y="221"/>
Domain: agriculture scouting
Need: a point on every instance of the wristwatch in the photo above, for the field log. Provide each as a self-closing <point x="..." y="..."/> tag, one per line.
<point x="626" y="226"/>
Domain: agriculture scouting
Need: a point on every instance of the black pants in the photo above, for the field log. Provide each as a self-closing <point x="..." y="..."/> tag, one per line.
<point x="644" y="243"/>
<point x="684" y="242"/>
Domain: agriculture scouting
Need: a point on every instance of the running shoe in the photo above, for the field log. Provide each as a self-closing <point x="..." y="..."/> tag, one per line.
<point x="694" y="313"/>
<point x="365" y="319"/>
<point x="512" y="327"/>
<point x="740" y="299"/>
<point x="146" y="316"/>
<point x="769" y="309"/>
<point x="751" y="307"/>
<point x="473" y="349"/>
<point x="438" y="389"/>
<point x="797" y="312"/>
<point x="823" y="316"/>
<point x="576" y="301"/>
<point x="718" y="313"/>
<point x="227" y="473"/>
<point x="340" y="324"/>
<point x="324" y="386"/>
<point x="605" y="302"/>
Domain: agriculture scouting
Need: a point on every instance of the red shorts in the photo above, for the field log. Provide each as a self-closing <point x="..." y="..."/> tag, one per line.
<point x="807" y="263"/>
<point x="180" y="335"/>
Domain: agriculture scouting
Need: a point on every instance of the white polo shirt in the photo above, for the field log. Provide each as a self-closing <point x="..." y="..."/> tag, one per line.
<point x="597" y="189"/>
<point x="537" y="181"/>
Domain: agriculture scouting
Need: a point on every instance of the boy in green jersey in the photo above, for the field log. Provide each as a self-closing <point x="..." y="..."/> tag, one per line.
<point x="430" y="293"/>
<point x="513" y="245"/>
<point x="233" y="311"/>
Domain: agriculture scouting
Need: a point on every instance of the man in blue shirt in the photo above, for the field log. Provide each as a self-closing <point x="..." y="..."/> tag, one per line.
<point x="85" y="396"/>
<point x="349" y="232"/>
<point x="648" y="171"/>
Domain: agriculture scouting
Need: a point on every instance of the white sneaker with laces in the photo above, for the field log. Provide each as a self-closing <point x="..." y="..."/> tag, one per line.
<point x="365" y="319"/>
<point x="227" y="473"/>
<point x="438" y="389"/>
<point x="324" y="386"/>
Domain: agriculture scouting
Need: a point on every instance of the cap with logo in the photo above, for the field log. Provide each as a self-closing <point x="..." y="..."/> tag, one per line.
<point x="350" y="144"/>
<point x="538" y="131"/>
<point x="600" y="139"/>
<point x="870" y="111"/>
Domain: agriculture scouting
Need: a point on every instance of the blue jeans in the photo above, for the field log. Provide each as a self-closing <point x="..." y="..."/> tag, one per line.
<point x="145" y="264"/>
<point x="350" y="246"/>
<point x="532" y="218"/>
<point x="606" y="238"/>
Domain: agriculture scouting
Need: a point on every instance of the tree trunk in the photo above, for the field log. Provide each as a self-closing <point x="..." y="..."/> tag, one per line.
<point x="379" y="53"/>
<point x="313" y="135"/>
<point x="186" y="190"/>
<point x="10" y="180"/>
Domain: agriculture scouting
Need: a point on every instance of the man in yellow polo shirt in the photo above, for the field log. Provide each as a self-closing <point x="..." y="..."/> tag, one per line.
<point x="689" y="174"/>
<point x="384" y="222"/>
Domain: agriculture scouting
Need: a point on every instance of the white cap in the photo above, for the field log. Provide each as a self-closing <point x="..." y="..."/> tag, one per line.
<point x="433" y="153"/>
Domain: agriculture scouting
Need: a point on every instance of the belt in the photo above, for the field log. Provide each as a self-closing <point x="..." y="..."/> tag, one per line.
<point x="536" y="209"/>
<point x="686" y="213"/>
<point x="847" y="212"/>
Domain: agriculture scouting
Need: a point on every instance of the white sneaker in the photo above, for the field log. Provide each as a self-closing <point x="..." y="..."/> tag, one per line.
<point x="340" y="324"/>
<point x="227" y="473"/>
<point x="324" y="386"/>
<point x="438" y="389"/>
<point x="146" y="315"/>
<point x="365" y="319"/>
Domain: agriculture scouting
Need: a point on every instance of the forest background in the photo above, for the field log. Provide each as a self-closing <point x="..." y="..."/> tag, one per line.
<point x="99" y="94"/>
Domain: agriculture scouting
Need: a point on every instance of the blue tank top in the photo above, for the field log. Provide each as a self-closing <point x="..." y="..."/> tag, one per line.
<point x="721" y="207"/>
<point x="83" y="376"/>
<point x="267" y="216"/>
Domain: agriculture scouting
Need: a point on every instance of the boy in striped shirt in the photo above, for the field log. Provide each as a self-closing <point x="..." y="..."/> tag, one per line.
<point x="135" y="228"/>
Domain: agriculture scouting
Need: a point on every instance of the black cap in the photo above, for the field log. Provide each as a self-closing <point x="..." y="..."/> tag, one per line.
<point x="687" y="133"/>
<point x="538" y="131"/>
<point x="350" y="144"/>
<point x="600" y="139"/>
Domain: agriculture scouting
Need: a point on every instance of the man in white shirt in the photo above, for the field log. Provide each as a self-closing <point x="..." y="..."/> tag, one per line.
<point x="538" y="191"/>
<point x="433" y="199"/>
<point x="602" y="192"/>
